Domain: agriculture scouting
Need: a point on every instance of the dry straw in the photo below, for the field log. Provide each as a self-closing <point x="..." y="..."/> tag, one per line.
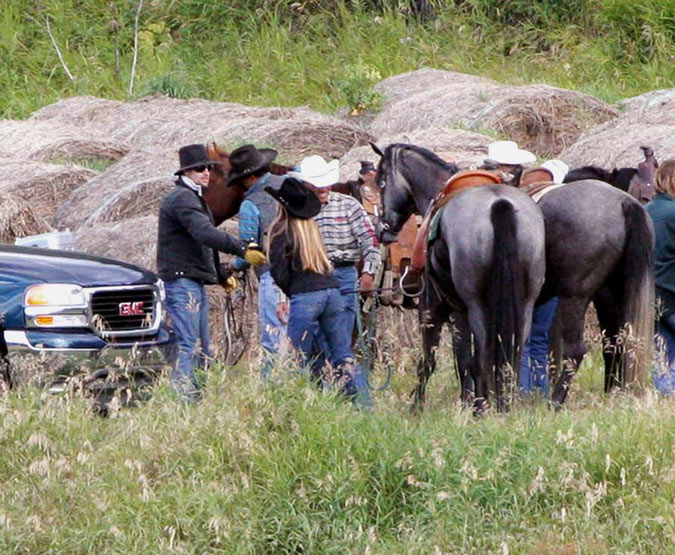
<point x="541" y="118"/>
<point x="51" y="140"/>
<point x="44" y="186"/>
<point x="18" y="219"/>
<point x="617" y="142"/>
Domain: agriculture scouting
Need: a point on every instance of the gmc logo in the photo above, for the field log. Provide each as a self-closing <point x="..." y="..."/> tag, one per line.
<point x="131" y="308"/>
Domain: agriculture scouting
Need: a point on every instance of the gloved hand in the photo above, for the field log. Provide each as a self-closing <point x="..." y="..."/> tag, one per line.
<point x="254" y="255"/>
<point x="230" y="284"/>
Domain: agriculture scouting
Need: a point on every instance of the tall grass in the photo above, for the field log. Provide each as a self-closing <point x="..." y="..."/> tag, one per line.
<point x="288" y="469"/>
<point x="271" y="52"/>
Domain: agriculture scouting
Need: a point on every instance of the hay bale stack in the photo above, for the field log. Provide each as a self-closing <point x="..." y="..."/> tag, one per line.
<point x="44" y="186"/>
<point x="51" y="140"/>
<point x="133" y="240"/>
<point x="402" y="86"/>
<point x="465" y="148"/>
<point x="541" y="118"/>
<point x="18" y="219"/>
<point x="617" y="143"/>
<point x="111" y="196"/>
<point x="162" y="122"/>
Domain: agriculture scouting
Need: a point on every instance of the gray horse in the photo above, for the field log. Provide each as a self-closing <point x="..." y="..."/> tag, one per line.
<point x="484" y="270"/>
<point x="599" y="244"/>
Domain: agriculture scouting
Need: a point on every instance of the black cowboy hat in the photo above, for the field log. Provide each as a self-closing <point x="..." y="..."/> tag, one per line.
<point x="192" y="156"/>
<point x="247" y="159"/>
<point x="296" y="198"/>
<point x="366" y="167"/>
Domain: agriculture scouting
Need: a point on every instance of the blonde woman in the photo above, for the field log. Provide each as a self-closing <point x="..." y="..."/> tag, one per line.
<point x="302" y="270"/>
<point x="662" y="212"/>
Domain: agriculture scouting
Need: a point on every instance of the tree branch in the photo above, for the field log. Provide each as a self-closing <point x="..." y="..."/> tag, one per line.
<point x="56" y="46"/>
<point x="133" y="64"/>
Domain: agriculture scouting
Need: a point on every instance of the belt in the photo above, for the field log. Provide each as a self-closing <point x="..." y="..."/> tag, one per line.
<point x="343" y="264"/>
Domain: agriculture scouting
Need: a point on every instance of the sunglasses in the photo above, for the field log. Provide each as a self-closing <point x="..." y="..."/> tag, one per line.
<point x="200" y="169"/>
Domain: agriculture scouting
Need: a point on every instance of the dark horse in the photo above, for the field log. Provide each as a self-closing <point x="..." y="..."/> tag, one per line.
<point x="598" y="248"/>
<point x="485" y="268"/>
<point x="225" y="199"/>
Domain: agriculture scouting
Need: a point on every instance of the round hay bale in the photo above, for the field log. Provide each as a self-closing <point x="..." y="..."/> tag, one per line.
<point x="139" y="171"/>
<point x="647" y="100"/>
<point x="465" y="148"/>
<point x="617" y="143"/>
<point x="57" y="140"/>
<point x="44" y="186"/>
<point x="18" y="219"/>
<point x="404" y="85"/>
<point x="540" y="118"/>
<point x="133" y="240"/>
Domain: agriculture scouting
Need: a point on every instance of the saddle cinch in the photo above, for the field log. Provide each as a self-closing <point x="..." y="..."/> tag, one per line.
<point x="456" y="184"/>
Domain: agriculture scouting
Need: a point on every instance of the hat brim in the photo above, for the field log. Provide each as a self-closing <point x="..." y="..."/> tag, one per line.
<point x="308" y="210"/>
<point x="204" y="162"/>
<point x="331" y="177"/>
<point x="515" y="157"/>
<point x="268" y="154"/>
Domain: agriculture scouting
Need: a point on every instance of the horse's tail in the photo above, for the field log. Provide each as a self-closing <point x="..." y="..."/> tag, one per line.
<point x="505" y="295"/>
<point x="638" y="293"/>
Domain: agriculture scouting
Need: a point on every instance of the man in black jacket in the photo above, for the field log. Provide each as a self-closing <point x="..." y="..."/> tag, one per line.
<point x="187" y="259"/>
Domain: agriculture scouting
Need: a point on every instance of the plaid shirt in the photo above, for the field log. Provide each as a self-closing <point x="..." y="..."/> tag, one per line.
<point x="347" y="233"/>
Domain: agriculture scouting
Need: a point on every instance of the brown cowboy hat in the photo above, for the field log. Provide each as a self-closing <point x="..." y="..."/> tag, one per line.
<point x="247" y="159"/>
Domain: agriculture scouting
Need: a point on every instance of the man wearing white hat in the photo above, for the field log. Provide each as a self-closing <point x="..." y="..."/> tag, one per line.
<point x="348" y="235"/>
<point x="533" y="374"/>
<point x="507" y="156"/>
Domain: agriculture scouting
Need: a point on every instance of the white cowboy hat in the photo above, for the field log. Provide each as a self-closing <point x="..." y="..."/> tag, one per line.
<point x="507" y="152"/>
<point x="315" y="170"/>
<point x="558" y="169"/>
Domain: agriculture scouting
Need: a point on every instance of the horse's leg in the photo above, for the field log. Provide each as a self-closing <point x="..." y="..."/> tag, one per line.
<point x="433" y="313"/>
<point x="462" y="348"/>
<point x="480" y="371"/>
<point x="612" y="353"/>
<point x="572" y="312"/>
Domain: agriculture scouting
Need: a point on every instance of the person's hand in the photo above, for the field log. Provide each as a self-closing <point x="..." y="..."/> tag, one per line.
<point x="254" y="255"/>
<point x="230" y="284"/>
<point x="282" y="312"/>
<point x="366" y="285"/>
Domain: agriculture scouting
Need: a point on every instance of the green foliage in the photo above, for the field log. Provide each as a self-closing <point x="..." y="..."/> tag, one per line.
<point x="285" y="468"/>
<point x="315" y="52"/>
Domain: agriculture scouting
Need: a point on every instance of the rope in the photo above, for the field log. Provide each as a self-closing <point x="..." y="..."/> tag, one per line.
<point x="365" y="340"/>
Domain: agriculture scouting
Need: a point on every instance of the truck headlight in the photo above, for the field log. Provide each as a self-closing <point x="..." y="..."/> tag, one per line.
<point x="162" y="291"/>
<point x="55" y="294"/>
<point x="55" y="305"/>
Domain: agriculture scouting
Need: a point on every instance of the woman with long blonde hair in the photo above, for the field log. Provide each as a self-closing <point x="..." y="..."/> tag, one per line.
<point x="662" y="212"/>
<point x="302" y="270"/>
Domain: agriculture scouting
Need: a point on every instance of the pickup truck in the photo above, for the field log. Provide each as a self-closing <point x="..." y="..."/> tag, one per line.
<point x="66" y="313"/>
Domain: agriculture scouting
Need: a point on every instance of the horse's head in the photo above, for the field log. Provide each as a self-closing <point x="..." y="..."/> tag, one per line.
<point x="223" y="199"/>
<point x="221" y="167"/>
<point x="396" y="198"/>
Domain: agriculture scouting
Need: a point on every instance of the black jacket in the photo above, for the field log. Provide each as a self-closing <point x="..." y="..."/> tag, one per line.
<point x="286" y="269"/>
<point x="187" y="240"/>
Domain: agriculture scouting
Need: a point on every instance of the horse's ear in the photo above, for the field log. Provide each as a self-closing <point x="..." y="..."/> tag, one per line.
<point x="376" y="149"/>
<point x="407" y="140"/>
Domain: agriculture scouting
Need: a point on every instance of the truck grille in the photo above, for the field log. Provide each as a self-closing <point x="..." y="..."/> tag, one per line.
<point x="123" y="310"/>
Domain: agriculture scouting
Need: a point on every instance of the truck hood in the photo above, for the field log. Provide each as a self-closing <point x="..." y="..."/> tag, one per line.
<point x="31" y="265"/>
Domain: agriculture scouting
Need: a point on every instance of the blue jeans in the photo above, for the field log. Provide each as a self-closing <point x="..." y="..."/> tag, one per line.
<point x="664" y="378"/>
<point x="534" y="366"/>
<point x="188" y="308"/>
<point x="271" y="329"/>
<point x="347" y="278"/>
<point x="323" y="309"/>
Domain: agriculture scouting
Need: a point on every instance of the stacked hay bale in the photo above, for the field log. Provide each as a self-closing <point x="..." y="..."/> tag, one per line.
<point x="617" y="142"/>
<point x="540" y="118"/>
<point x="18" y="219"/>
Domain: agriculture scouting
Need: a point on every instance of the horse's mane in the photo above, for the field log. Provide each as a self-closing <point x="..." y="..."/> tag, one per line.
<point x="426" y="153"/>
<point x="588" y="172"/>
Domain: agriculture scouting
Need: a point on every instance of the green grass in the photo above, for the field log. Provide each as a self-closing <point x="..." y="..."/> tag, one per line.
<point x="287" y="469"/>
<point x="263" y="52"/>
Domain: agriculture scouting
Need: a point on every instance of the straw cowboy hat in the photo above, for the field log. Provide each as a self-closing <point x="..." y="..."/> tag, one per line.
<point x="297" y="199"/>
<point x="247" y="159"/>
<point x="192" y="156"/>
<point x="315" y="170"/>
<point x="507" y="152"/>
<point x="558" y="169"/>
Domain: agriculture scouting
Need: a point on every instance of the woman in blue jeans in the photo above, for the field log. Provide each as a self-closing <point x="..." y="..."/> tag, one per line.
<point x="301" y="268"/>
<point x="662" y="212"/>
